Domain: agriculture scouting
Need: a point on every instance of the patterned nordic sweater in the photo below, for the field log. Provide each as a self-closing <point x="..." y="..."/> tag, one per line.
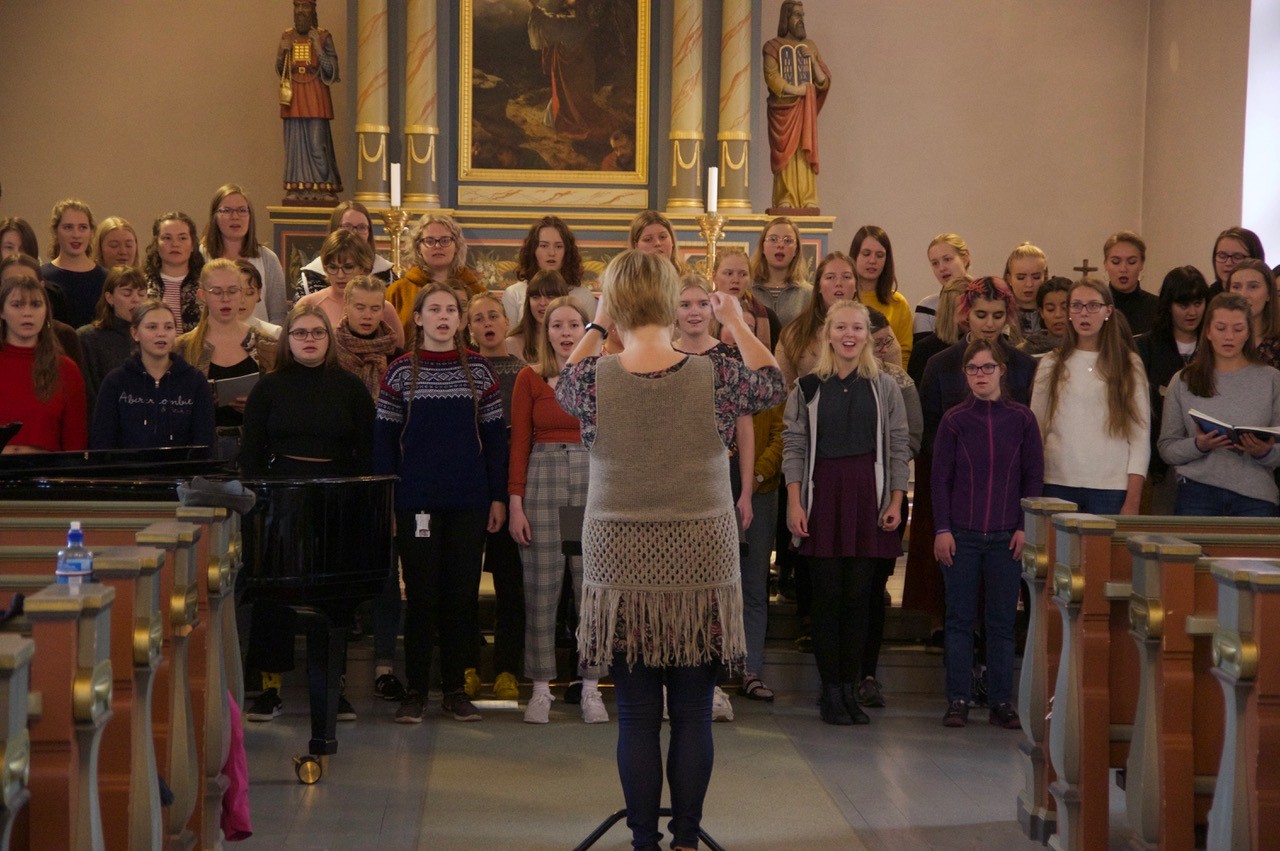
<point x="449" y="451"/>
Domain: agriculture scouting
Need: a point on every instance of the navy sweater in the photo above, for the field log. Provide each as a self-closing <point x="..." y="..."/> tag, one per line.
<point x="987" y="456"/>
<point x="449" y="449"/>
<point x="135" y="411"/>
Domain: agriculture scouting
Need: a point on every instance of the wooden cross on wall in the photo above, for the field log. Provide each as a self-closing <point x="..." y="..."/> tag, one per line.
<point x="1084" y="268"/>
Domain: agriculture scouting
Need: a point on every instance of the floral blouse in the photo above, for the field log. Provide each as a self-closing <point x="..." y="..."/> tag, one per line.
<point x="739" y="391"/>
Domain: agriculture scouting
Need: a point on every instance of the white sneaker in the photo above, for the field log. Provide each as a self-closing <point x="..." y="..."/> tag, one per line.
<point x="538" y="710"/>
<point x="721" y="708"/>
<point x="593" y="711"/>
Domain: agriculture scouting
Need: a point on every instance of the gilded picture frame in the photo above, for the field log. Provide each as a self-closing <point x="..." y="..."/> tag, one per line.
<point x="534" y="104"/>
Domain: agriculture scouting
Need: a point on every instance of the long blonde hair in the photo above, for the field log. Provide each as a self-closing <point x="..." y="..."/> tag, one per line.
<point x="195" y="340"/>
<point x="410" y="255"/>
<point x="867" y="365"/>
<point x="946" y="326"/>
<point x="760" y="269"/>
<point x="546" y="365"/>
<point x="106" y="226"/>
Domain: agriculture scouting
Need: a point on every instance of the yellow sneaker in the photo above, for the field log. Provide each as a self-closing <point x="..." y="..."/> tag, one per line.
<point x="506" y="687"/>
<point x="471" y="682"/>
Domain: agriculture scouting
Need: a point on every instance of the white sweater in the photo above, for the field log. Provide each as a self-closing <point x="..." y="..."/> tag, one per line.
<point x="1078" y="451"/>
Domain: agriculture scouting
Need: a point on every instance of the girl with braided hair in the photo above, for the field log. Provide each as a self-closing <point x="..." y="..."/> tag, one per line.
<point x="440" y="428"/>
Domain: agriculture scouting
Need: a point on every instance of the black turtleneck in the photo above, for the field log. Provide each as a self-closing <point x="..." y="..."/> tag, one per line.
<point x="308" y="412"/>
<point x="1139" y="307"/>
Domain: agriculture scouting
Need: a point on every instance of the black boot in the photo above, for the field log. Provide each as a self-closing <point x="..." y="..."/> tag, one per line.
<point x="832" y="709"/>
<point x="850" y="700"/>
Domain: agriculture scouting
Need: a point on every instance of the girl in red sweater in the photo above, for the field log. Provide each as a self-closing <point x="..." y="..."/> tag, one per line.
<point x="548" y="471"/>
<point x="39" y="386"/>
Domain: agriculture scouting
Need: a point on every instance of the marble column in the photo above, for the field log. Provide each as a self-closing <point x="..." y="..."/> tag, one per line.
<point x="686" y="189"/>
<point x="372" y="123"/>
<point x="421" y="105"/>
<point x="734" y="135"/>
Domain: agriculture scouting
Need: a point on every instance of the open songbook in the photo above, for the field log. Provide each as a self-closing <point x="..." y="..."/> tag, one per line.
<point x="1213" y="425"/>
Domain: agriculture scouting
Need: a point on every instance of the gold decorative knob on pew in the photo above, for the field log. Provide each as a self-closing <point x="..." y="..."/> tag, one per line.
<point x="148" y="637"/>
<point x="1146" y="616"/>
<point x="15" y="765"/>
<point x="91" y="693"/>
<point x="1236" y="656"/>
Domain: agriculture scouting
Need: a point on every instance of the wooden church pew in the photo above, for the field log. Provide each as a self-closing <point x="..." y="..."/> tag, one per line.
<point x="1037" y="813"/>
<point x="1096" y="689"/>
<point x="71" y="684"/>
<point x="1246" y="657"/>
<point x="16" y="654"/>
<point x="173" y="727"/>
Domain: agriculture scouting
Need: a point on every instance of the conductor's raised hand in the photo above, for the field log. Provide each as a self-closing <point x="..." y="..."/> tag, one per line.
<point x="727" y="310"/>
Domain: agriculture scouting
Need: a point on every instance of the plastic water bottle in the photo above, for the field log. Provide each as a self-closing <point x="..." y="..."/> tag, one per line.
<point x="75" y="563"/>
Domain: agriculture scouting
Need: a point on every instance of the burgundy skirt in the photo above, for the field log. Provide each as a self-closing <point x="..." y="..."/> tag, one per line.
<point x="844" y="519"/>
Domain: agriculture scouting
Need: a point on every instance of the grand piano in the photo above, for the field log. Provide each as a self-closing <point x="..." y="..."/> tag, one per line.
<point x="320" y="546"/>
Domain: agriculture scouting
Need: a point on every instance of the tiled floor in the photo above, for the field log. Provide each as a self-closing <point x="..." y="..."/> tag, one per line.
<point x="782" y="780"/>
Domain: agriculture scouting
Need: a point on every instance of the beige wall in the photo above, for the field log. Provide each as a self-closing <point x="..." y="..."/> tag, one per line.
<point x="1001" y="121"/>
<point x="1194" y="166"/>
<point x="143" y="106"/>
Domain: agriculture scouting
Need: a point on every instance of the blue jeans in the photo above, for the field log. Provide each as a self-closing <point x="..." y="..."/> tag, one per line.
<point x="1196" y="499"/>
<point x="981" y="558"/>
<point x="755" y="576"/>
<point x="689" y="756"/>
<point x="1088" y="500"/>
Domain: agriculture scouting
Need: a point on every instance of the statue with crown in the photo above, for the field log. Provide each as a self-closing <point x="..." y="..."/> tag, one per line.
<point x="307" y="64"/>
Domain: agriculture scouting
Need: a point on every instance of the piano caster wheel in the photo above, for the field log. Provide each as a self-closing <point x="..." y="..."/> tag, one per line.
<point x="308" y="768"/>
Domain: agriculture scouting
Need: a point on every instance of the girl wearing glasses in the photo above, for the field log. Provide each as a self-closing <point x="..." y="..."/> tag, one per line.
<point x="1092" y="400"/>
<point x="548" y="247"/>
<point x="845" y="455"/>
<point x="1253" y="280"/>
<point x="1220" y="475"/>
<point x="344" y="256"/>
<point x="777" y="272"/>
<point x="231" y="233"/>
<point x="872" y="255"/>
<point x="355" y="217"/>
<point x="987" y="456"/>
<point x="223" y="346"/>
<point x="308" y="418"/>
<point x="173" y="268"/>
<point x="435" y="251"/>
<point x="1233" y="245"/>
<point x="155" y="398"/>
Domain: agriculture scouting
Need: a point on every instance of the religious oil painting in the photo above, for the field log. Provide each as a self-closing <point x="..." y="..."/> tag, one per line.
<point x="554" y="91"/>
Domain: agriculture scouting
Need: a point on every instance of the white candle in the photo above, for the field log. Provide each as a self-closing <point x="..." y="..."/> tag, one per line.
<point x="713" y="188"/>
<point x="395" y="184"/>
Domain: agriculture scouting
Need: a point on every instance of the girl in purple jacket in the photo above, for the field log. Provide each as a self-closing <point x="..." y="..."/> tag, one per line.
<point x="987" y="456"/>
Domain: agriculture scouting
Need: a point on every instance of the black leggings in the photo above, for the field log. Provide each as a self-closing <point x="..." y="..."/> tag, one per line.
<point x="842" y="592"/>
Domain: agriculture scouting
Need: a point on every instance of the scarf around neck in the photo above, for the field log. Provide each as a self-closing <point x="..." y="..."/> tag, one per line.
<point x="366" y="358"/>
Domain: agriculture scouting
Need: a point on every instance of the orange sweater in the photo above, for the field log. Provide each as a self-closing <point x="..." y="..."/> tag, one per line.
<point x="536" y="417"/>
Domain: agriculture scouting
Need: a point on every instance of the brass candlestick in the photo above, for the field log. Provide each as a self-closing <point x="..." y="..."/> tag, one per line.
<point x="395" y="218"/>
<point x="711" y="228"/>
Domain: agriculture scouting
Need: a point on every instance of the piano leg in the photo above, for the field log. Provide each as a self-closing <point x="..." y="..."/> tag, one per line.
<point x="326" y="659"/>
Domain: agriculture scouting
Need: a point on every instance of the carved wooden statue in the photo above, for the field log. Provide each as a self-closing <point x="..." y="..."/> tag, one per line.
<point x="307" y="63"/>
<point x="798" y="82"/>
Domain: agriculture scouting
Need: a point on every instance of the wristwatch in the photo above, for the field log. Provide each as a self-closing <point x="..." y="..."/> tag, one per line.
<point x="604" y="333"/>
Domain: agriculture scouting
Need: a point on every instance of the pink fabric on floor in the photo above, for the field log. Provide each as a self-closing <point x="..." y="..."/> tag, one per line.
<point x="235" y="801"/>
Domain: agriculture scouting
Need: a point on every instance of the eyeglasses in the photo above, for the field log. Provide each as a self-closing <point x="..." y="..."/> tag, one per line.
<point x="1223" y="257"/>
<point x="883" y="345"/>
<point x="229" y="292"/>
<point x="301" y="334"/>
<point x="334" y="268"/>
<point x="433" y="241"/>
<point x="780" y="240"/>
<point x="984" y="368"/>
<point x="1092" y="308"/>
<point x="232" y="211"/>
<point x="363" y="230"/>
